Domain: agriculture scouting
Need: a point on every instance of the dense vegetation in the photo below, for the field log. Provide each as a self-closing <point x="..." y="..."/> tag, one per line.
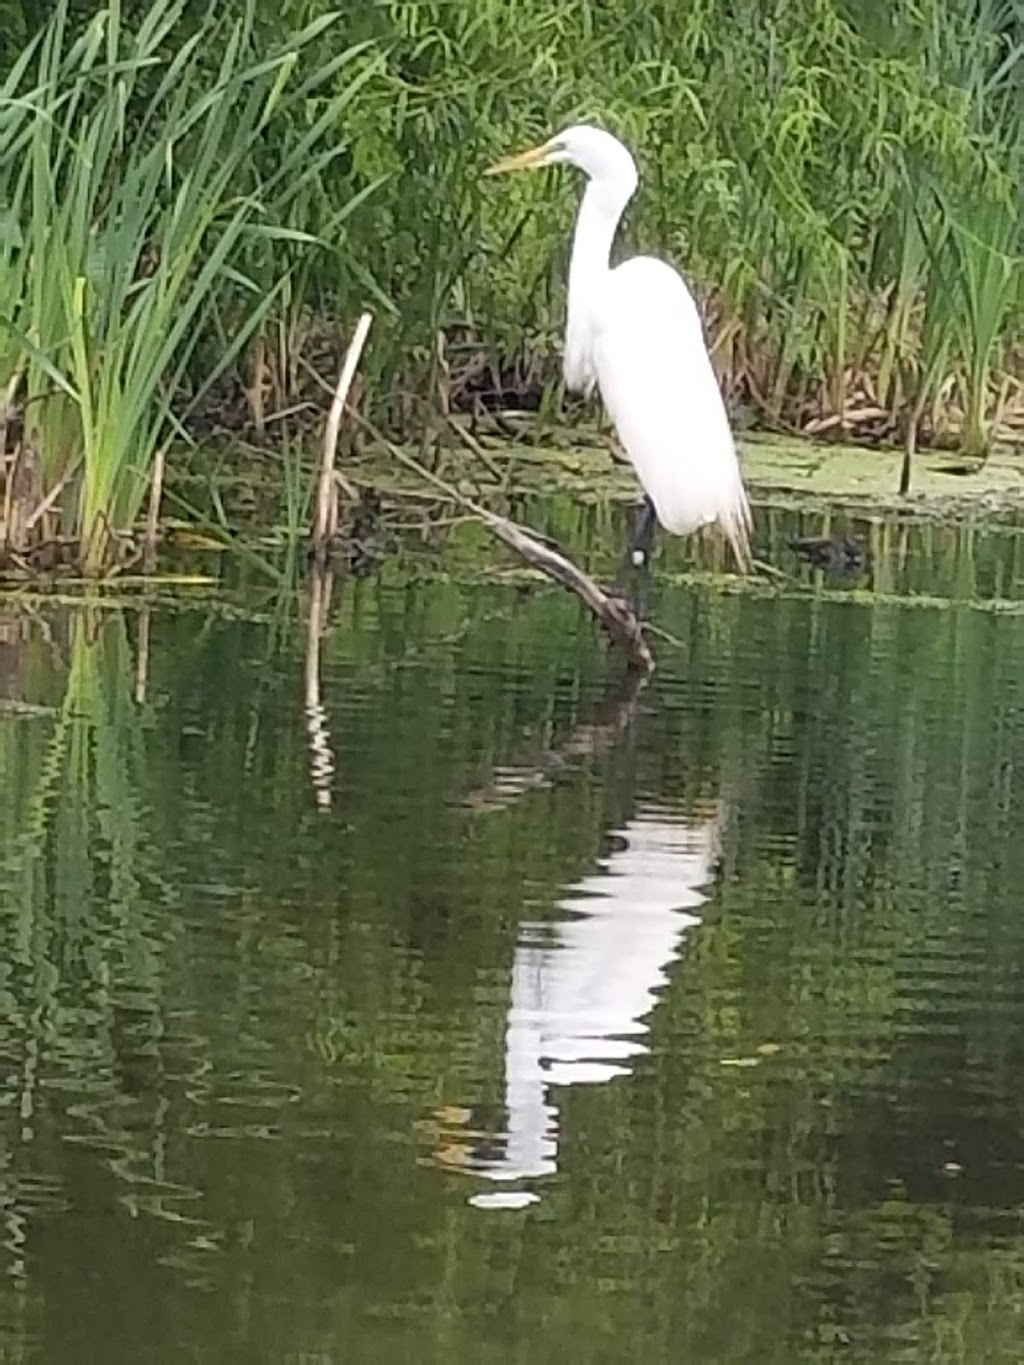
<point x="195" y="202"/>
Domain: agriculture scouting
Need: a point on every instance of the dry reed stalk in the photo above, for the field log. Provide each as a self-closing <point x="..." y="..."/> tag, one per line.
<point x="325" y="525"/>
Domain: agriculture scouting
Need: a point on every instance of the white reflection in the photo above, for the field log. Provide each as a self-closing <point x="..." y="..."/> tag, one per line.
<point x="583" y="988"/>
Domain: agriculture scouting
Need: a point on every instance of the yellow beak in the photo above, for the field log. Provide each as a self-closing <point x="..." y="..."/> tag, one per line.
<point x="520" y="161"/>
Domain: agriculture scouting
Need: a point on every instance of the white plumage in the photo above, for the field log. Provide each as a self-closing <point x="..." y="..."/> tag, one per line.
<point x="636" y="333"/>
<point x="674" y="430"/>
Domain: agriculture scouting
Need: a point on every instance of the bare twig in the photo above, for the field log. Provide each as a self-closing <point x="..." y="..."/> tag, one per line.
<point x="330" y="478"/>
<point x="663" y="634"/>
<point x="293" y="411"/>
<point x="156" y="488"/>
<point x="471" y="443"/>
<point x="614" y="613"/>
<point x="768" y="570"/>
<point x="7" y="406"/>
<point x="51" y="497"/>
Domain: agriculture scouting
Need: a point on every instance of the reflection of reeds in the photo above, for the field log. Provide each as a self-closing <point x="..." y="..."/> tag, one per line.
<point x="142" y="656"/>
<point x="85" y="952"/>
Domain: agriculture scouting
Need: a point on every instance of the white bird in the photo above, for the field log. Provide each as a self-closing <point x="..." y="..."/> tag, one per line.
<point x="635" y="332"/>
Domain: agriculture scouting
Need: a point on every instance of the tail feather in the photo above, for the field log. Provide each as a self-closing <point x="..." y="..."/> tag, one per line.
<point x="737" y="523"/>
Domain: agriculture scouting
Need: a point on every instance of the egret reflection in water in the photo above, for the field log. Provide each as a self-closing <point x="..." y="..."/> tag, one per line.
<point x="582" y="989"/>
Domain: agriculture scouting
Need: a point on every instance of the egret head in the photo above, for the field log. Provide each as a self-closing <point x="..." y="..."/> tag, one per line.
<point x="595" y="152"/>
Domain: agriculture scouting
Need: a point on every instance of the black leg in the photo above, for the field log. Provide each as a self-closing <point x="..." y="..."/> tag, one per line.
<point x="637" y="557"/>
<point x="643" y="582"/>
<point x="643" y="536"/>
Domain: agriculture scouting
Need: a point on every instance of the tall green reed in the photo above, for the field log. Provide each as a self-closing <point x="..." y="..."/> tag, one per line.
<point x="986" y="237"/>
<point x="132" y="174"/>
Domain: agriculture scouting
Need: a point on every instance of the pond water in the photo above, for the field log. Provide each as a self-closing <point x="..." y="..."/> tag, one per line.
<point x="491" y="1009"/>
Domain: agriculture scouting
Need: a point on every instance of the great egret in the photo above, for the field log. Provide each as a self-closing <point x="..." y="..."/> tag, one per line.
<point x="635" y="332"/>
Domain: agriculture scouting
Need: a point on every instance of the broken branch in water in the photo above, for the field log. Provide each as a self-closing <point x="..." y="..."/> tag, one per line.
<point x="614" y="613"/>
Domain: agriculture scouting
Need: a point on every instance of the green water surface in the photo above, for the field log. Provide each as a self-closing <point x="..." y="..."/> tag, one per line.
<point x="495" y="1010"/>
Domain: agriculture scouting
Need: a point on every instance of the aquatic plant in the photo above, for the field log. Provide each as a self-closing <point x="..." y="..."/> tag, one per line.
<point x="129" y="175"/>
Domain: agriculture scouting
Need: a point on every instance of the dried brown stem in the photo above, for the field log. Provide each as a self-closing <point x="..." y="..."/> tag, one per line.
<point x="327" y="498"/>
<point x="156" y="488"/>
<point x="7" y="403"/>
<point x="472" y="444"/>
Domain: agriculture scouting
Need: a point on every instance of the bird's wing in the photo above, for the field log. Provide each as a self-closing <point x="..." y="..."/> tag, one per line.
<point x="659" y="387"/>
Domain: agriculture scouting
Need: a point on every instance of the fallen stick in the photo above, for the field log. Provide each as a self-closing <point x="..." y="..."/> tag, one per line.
<point x="614" y="613"/>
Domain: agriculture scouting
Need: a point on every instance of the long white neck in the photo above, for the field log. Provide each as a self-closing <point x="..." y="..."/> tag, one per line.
<point x="604" y="202"/>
